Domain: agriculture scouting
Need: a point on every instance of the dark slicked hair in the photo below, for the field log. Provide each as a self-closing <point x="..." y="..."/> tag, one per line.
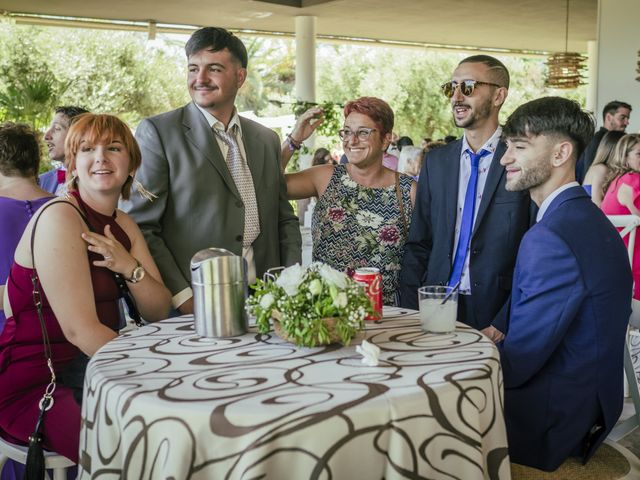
<point x="497" y="69"/>
<point x="71" y="111"/>
<point x="551" y="116"/>
<point x="19" y="150"/>
<point x="216" y="39"/>
<point x="612" y="108"/>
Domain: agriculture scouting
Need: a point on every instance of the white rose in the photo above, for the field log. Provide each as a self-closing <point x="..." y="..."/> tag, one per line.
<point x="266" y="301"/>
<point x="340" y="300"/>
<point x="333" y="277"/>
<point x="290" y="279"/>
<point x="315" y="287"/>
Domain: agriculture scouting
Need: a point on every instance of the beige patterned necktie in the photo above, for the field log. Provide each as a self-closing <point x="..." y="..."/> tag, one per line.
<point x="244" y="183"/>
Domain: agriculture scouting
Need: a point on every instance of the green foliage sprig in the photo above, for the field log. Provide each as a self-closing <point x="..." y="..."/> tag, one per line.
<point x="304" y="297"/>
<point x="332" y="116"/>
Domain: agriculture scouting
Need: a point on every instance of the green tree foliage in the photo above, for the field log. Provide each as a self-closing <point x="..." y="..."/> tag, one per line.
<point x="409" y="80"/>
<point x="115" y="72"/>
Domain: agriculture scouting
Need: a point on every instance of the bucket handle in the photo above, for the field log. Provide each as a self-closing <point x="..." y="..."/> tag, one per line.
<point x="272" y="274"/>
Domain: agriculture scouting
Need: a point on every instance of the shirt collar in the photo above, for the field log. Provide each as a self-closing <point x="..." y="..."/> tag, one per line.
<point x="218" y="125"/>
<point x="547" y="201"/>
<point x="490" y="145"/>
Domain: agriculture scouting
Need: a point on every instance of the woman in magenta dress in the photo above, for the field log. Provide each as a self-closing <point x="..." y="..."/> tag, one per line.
<point x="20" y="196"/>
<point x="75" y="268"/>
<point x="623" y="191"/>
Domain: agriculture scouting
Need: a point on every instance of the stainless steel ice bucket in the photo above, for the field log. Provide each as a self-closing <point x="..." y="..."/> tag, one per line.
<point x="219" y="282"/>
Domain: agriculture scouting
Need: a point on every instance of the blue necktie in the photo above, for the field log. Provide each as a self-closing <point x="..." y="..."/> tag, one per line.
<point x="466" y="225"/>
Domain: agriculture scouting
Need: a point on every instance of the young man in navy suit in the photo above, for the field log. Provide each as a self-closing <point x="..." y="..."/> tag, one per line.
<point x="562" y="357"/>
<point x="53" y="181"/>
<point x="466" y="227"/>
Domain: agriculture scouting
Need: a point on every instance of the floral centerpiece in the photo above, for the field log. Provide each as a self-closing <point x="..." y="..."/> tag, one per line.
<point x="310" y="306"/>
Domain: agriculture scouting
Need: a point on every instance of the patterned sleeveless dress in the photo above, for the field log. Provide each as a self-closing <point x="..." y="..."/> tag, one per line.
<point x="355" y="226"/>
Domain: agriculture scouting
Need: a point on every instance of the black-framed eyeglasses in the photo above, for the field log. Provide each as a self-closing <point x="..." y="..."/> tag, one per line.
<point x="361" y="133"/>
<point x="467" y="87"/>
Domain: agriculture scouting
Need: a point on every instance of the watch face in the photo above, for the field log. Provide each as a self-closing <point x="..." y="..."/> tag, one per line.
<point x="138" y="274"/>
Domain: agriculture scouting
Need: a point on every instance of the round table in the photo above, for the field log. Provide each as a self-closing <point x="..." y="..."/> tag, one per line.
<point x="160" y="402"/>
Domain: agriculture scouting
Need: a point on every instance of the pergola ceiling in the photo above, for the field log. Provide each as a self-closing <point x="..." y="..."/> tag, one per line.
<point x="529" y="25"/>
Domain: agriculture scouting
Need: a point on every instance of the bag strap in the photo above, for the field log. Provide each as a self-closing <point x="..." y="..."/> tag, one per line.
<point x="401" y="205"/>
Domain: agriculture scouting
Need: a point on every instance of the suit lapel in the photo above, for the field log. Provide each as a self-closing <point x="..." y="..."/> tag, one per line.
<point x="451" y="176"/>
<point x="254" y="151"/>
<point x="496" y="171"/>
<point x="198" y="132"/>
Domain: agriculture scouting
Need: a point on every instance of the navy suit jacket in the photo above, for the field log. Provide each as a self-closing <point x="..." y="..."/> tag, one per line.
<point x="562" y="357"/>
<point x="49" y="181"/>
<point x="502" y="219"/>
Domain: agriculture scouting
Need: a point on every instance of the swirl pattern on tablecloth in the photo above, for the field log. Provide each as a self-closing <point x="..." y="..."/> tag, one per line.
<point x="162" y="403"/>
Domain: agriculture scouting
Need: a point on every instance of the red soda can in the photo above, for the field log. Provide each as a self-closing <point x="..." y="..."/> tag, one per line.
<point x="371" y="278"/>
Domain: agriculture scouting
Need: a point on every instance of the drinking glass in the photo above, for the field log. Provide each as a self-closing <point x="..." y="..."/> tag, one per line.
<point x="438" y="308"/>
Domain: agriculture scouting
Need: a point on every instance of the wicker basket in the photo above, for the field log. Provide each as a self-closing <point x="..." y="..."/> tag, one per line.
<point x="329" y="322"/>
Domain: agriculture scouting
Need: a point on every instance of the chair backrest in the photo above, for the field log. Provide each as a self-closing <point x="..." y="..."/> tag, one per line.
<point x="629" y="225"/>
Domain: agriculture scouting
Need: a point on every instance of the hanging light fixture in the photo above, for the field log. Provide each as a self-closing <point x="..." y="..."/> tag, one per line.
<point x="564" y="70"/>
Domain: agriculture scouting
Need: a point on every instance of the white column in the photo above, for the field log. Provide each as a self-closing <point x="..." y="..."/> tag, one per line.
<point x="306" y="58"/>
<point x="592" y="77"/>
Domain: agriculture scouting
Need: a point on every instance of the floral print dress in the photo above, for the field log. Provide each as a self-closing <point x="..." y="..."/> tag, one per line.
<point x="355" y="226"/>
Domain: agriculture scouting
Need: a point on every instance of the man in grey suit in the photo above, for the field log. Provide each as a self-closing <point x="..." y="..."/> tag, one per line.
<point x="216" y="175"/>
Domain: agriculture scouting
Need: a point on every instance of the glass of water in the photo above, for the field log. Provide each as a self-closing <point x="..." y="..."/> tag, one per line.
<point x="438" y="308"/>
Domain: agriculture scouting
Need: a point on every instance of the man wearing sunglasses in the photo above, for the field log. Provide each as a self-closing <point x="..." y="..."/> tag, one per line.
<point x="466" y="226"/>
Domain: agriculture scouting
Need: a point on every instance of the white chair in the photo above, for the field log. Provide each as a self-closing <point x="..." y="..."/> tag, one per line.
<point x="629" y="225"/>
<point x="52" y="460"/>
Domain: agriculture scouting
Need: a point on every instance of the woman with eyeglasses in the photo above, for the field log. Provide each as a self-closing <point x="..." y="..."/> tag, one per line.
<point x="79" y="243"/>
<point x="364" y="209"/>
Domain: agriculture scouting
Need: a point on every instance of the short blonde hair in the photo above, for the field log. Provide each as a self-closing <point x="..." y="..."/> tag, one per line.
<point x="106" y="128"/>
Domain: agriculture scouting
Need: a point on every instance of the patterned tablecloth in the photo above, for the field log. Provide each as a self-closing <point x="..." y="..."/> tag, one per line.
<point x="162" y="403"/>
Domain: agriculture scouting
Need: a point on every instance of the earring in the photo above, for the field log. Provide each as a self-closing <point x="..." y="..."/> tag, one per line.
<point x="138" y="187"/>
<point x="71" y="183"/>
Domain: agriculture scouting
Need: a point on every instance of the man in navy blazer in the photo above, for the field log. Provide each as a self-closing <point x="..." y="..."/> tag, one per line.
<point x="477" y="91"/>
<point x="562" y="357"/>
<point x="53" y="181"/>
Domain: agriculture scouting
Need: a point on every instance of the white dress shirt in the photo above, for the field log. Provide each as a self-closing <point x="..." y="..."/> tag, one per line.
<point x="463" y="179"/>
<point x="547" y="201"/>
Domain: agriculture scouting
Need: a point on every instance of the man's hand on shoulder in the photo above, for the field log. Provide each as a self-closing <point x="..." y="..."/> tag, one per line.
<point x="493" y="333"/>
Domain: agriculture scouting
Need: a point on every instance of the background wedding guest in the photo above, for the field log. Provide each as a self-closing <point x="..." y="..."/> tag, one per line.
<point x="600" y="169"/>
<point x="615" y="117"/>
<point x="53" y="181"/>
<point x="364" y="209"/>
<point x="216" y="175"/>
<point x="571" y="293"/>
<point x="20" y="196"/>
<point x="75" y="268"/>
<point x="623" y="191"/>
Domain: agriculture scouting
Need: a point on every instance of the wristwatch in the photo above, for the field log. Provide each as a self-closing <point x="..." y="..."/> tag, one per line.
<point x="137" y="274"/>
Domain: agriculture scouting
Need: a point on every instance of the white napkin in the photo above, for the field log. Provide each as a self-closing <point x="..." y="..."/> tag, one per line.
<point x="369" y="352"/>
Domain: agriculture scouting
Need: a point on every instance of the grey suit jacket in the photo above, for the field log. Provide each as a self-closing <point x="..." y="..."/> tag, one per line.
<point x="198" y="205"/>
